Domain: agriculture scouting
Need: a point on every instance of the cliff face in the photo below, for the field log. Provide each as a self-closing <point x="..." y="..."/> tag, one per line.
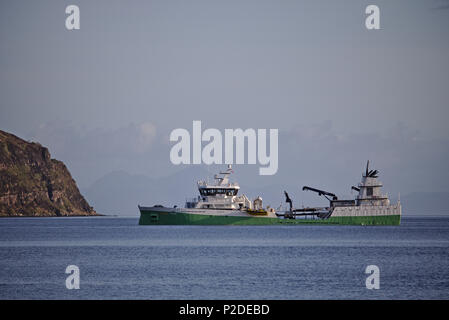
<point x="33" y="184"/>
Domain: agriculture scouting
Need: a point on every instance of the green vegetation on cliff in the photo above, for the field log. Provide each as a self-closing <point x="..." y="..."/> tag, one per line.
<point x="33" y="184"/>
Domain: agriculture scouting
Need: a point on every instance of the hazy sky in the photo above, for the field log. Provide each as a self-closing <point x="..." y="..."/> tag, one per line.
<point x="106" y="97"/>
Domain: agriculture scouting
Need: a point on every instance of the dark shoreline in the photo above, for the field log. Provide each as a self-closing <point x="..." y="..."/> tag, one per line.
<point x="68" y="216"/>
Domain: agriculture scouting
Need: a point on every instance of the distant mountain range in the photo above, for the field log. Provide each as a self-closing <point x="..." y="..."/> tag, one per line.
<point x="425" y="203"/>
<point x="33" y="184"/>
<point x="119" y="193"/>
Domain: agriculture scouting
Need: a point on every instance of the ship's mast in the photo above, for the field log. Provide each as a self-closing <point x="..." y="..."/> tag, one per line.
<point x="224" y="180"/>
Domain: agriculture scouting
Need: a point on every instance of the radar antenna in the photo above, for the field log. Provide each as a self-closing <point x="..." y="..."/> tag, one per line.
<point x="370" y="173"/>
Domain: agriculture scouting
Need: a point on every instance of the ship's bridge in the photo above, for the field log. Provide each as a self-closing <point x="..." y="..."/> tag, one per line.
<point x="220" y="194"/>
<point x="213" y="191"/>
<point x="221" y="186"/>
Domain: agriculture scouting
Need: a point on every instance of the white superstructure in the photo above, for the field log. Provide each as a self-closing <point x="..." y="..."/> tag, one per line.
<point x="222" y="194"/>
<point x="370" y="200"/>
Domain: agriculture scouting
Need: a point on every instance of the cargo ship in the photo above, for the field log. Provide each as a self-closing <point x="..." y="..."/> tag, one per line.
<point x="219" y="203"/>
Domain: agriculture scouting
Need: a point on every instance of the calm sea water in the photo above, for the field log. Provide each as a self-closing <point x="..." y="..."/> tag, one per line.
<point x="120" y="260"/>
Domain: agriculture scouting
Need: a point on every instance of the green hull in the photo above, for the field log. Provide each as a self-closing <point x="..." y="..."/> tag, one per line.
<point x="150" y="217"/>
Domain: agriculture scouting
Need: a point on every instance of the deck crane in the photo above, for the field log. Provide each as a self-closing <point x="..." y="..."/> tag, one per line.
<point x="322" y="193"/>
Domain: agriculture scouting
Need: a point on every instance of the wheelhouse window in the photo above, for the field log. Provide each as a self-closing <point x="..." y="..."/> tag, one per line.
<point x="215" y="191"/>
